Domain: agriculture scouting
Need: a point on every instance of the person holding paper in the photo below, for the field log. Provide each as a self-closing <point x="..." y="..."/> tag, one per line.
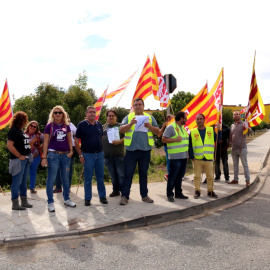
<point x="138" y="127"/>
<point x="176" y="138"/>
<point x="113" y="147"/>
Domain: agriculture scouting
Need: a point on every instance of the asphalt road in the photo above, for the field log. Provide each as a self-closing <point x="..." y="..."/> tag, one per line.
<point x="237" y="238"/>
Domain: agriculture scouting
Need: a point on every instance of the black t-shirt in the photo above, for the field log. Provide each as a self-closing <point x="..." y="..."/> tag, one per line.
<point x="90" y="136"/>
<point x="21" y="141"/>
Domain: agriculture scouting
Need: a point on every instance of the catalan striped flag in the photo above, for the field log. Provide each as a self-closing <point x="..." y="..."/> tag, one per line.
<point x="144" y="86"/>
<point x="190" y="108"/>
<point x="209" y="106"/>
<point x="154" y="77"/>
<point x="120" y="88"/>
<point x="158" y="85"/>
<point x="98" y="105"/>
<point x="255" y="110"/>
<point x="6" y="112"/>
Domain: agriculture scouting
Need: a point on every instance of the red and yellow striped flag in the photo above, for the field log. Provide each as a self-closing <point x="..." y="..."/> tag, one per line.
<point x="120" y="88"/>
<point x="98" y="105"/>
<point x="144" y="86"/>
<point x="6" y="112"/>
<point x="209" y="105"/>
<point x="158" y="85"/>
<point x="255" y="110"/>
<point x="154" y="77"/>
<point x="192" y="105"/>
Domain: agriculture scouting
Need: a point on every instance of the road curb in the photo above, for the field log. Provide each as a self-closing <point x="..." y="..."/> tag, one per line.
<point x="146" y="220"/>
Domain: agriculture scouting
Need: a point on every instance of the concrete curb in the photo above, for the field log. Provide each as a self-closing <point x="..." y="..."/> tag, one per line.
<point x="147" y="220"/>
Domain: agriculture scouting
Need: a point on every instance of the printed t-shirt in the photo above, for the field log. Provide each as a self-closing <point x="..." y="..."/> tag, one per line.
<point x="21" y="142"/>
<point x="58" y="137"/>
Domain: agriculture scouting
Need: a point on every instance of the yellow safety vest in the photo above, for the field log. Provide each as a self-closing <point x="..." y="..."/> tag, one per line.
<point x="203" y="150"/>
<point x="178" y="147"/>
<point x="129" y="134"/>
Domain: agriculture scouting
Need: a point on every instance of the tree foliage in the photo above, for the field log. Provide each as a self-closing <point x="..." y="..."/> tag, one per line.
<point x="180" y="100"/>
<point x="160" y="118"/>
<point x="227" y="117"/>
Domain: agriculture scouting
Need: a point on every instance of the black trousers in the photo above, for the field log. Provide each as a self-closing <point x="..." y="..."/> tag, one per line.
<point x="222" y="154"/>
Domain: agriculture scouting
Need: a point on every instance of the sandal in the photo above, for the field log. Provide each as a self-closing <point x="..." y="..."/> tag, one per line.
<point x="33" y="191"/>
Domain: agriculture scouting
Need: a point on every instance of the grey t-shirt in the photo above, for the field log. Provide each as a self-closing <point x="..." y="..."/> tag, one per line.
<point x="139" y="139"/>
<point x="237" y="139"/>
<point x="168" y="133"/>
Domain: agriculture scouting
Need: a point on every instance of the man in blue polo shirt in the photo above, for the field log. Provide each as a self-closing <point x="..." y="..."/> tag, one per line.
<point x="91" y="155"/>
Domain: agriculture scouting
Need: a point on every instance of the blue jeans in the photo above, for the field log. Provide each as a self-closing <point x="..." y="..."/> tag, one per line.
<point x="177" y="172"/>
<point x="94" y="161"/>
<point x="19" y="181"/>
<point x="131" y="160"/>
<point x="56" y="162"/>
<point x="58" y="181"/>
<point x="116" y="170"/>
<point x="33" y="171"/>
<point x="167" y="159"/>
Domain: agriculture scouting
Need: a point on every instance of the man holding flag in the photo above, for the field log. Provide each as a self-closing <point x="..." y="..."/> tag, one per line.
<point x="239" y="148"/>
<point x="201" y="152"/>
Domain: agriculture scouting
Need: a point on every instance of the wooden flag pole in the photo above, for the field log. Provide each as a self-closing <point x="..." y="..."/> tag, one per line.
<point x="2" y="191"/>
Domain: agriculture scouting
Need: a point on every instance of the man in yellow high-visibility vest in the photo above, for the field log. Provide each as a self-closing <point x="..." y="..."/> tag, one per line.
<point x="138" y="141"/>
<point x="176" y="138"/>
<point x="201" y="152"/>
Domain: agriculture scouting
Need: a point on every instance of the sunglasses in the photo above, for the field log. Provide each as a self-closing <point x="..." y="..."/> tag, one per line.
<point x="33" y="126"/>
<point x="57" y="112"/>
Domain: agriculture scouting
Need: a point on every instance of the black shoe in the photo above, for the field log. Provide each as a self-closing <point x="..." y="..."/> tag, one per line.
<point x="115" y="194"/>
<point x="170" y="199"/>
<point x="205" y="181"/>
<point x="103" y="200"/>
<point x="87" y="203"/>
<point x="212" y="194"/>
<point x="197" y="194"/>
<point x="181" y="196"/>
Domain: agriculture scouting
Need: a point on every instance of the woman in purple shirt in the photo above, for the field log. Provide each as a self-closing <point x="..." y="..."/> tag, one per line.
<point x="57" y="151"/>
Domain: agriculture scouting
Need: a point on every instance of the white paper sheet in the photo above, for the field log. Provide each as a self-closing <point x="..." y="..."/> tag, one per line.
<point x="113" y="134"/>
<point x="141" y="120"/>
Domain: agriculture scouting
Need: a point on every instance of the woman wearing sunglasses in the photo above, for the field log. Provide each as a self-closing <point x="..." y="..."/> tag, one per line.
<point x="57" y="151"/>
<point x="35" y="140"/>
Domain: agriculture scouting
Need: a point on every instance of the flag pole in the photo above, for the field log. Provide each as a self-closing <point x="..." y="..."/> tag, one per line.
<point x="125" y="90"/>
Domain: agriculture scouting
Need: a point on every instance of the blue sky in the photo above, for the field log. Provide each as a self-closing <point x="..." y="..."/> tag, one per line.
<point x="56" y="40"/>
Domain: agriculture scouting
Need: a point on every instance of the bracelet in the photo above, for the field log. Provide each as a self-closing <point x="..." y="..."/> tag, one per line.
<point x="80" y="156"/>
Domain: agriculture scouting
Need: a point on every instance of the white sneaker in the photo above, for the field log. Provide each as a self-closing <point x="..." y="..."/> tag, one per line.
<point x="51" y="207"/>
<point x="70" y="203"/>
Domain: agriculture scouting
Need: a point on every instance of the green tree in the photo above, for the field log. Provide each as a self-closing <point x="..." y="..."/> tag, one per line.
<point x="5" y="177"/>
<point x="227" y="117"/>
<point x="180" y="100"/>
<point x="47" y="96"/>
<point x="262" y="125"/>
<point x="81" y="82"/>
<point x="25" y="104"/>
<point x="121" y="113"/>
<point x="159" y="116"/>
<point x="76" y="101"/>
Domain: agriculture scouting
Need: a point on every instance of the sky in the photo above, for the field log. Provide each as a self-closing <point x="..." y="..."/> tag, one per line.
<point x="54" y="41"/>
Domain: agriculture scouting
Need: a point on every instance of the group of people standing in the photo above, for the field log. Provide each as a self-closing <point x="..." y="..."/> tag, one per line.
<point x="96" y="147"/>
